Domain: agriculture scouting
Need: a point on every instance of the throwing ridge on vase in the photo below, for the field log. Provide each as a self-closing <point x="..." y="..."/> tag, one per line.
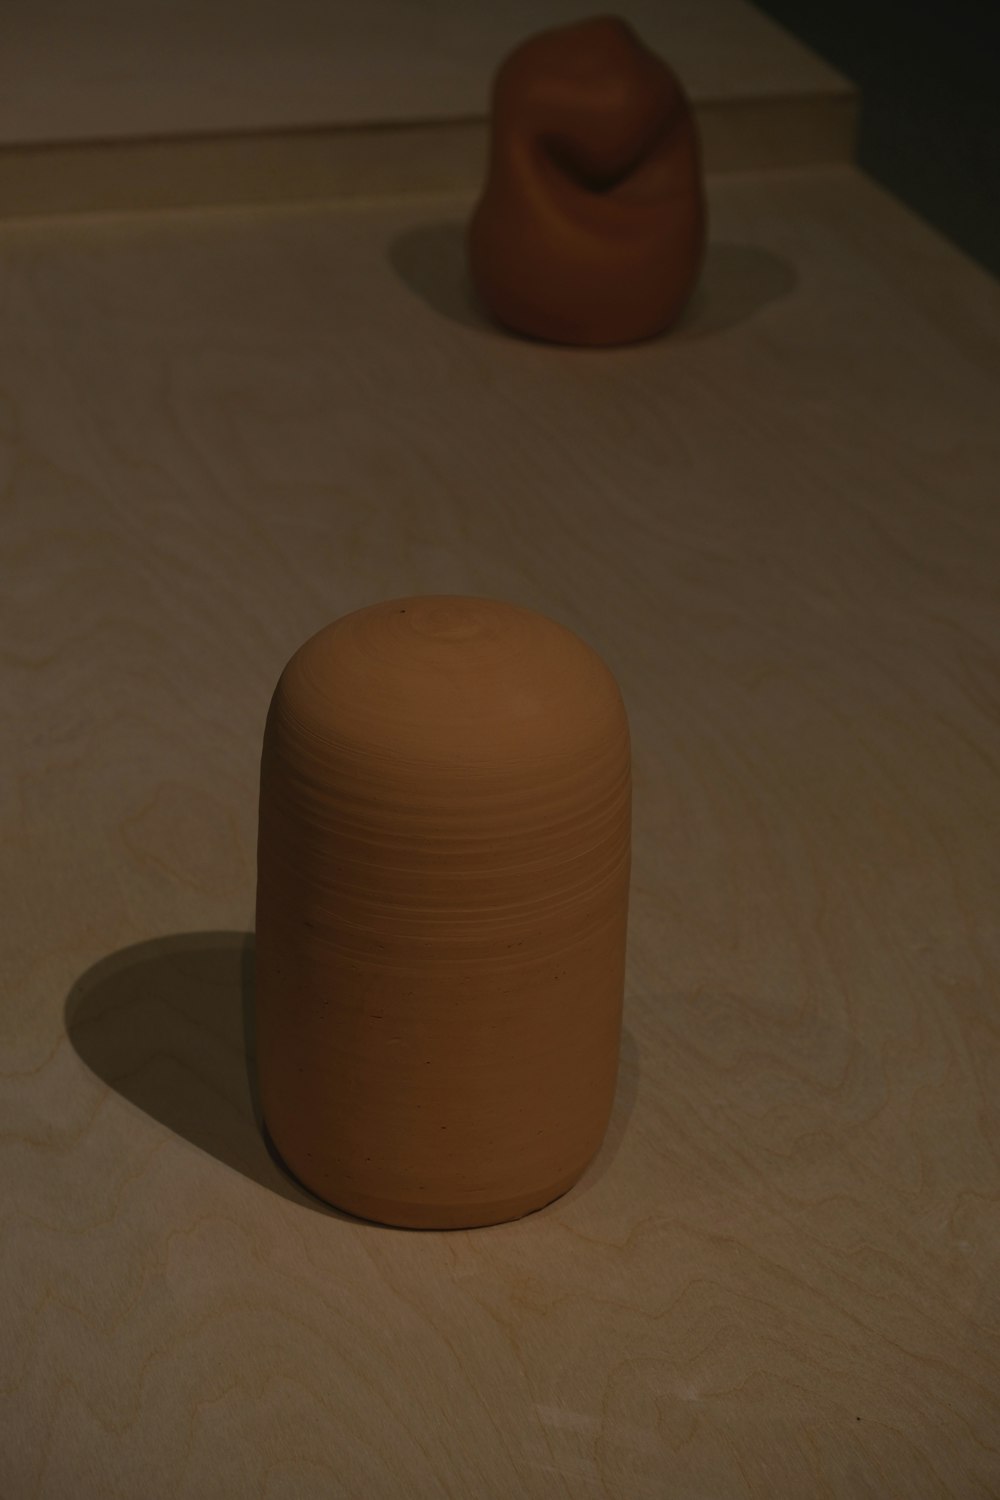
<point x="443" y="869"/>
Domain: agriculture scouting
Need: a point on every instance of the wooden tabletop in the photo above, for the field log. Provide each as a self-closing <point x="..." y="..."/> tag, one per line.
<point x="781" y="1277"/>
<point x="177" y="105"/>
<point x="163" y="68"/>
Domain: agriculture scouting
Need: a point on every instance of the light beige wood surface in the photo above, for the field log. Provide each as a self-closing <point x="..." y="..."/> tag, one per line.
<point x="782" y="1275"/>
<point x="119" y="70"/>
<point x="301" y="166"/>
<point x="142" y="106"/>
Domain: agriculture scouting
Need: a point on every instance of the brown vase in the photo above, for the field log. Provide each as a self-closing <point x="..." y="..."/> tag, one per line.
<point x="591" y="226"/>
<point x="443" y="865"/>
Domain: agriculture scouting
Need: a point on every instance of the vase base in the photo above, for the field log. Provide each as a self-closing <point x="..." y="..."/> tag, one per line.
<point x="451" y="1216"/>
<point x="426" y="1215"/>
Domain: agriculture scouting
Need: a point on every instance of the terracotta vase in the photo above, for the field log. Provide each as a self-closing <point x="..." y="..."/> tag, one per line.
<point x="591" y="226"/>
<point x="443" y="867"/>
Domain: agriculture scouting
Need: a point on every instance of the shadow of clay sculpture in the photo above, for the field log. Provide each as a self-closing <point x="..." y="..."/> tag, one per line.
<point x="443" y="867"/>
<point x="591" y="226"/>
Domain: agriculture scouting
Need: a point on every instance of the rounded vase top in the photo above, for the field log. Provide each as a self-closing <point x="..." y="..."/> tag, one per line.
<point x="467" y="681"/>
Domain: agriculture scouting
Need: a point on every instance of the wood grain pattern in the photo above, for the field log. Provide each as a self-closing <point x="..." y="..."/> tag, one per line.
<point x="125" y="111"/>
<point x="780" y="528"/>
<point x="126" y="73"/>
<point x="302" y="166"/>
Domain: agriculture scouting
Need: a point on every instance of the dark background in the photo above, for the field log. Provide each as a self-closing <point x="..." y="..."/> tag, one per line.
<point x="929" y="75"/>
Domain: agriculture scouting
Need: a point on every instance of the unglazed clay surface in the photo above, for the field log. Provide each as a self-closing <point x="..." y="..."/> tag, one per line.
<point x="591" y="226"/>
<point x="443" y="866"/>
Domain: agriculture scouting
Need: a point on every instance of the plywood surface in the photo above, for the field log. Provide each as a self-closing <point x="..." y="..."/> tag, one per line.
<point x="141" y="107"/>
<point x="118" y="70"/>
<point x="782" y="1275"/>
<point x="42" y="181"/>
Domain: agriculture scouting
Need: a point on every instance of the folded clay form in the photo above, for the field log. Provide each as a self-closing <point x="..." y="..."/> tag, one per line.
<point x="591" y="226"/>
<point x="443" y="867"/>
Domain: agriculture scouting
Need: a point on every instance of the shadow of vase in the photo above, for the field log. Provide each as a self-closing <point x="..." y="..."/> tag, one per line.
<point x="169" y="1025"/>
<point x="736" y="282"/>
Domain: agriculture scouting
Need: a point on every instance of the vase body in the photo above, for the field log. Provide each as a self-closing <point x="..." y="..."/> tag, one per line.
<point x="591" y="226"/>
<point x="443" y="866"/>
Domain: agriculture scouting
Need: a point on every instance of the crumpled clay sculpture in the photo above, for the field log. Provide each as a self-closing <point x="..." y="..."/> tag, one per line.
<point x="443" y="870"/>
<point x="591" y="227"/>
